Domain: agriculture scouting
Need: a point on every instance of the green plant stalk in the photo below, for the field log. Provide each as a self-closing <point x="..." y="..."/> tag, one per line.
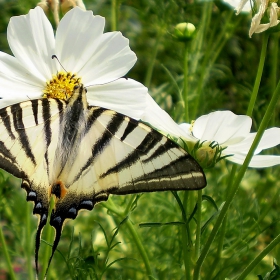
<point x="186" y="239"/>
<point x="186" y="77"/>
<point x="259" y="75"/>
<point x="49" y="234"/>
<point x="150" y="69"/>
<point x="274" y="39"/>
<point x="7" y="256"/>
<point x="208" y="62"/>
<point x="198" y="225"/>
<point x="220" y="248"/>
<point x="204" y="25"/>
<point x="114" y="14"/>
<point x="28" y="243"/>
<point x="252" y="228"/>
<point x="259" y="257"/>
<point x="110" y="205"/>
<point x="240" y="174"/>
<point x="140" y="247"/>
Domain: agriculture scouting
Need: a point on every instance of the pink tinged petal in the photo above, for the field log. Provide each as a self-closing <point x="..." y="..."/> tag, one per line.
<point x="159" y="119"/>
<point x="124" y="96"/>
<point x="31" y="40"/>
<point x="258" y="161"/>
<point x="273" y="20"/>
<point x="111" y="60"/>
<point x="77" y="38"/>
<point x="223" y="127"/>
<point x="256" y="20"/>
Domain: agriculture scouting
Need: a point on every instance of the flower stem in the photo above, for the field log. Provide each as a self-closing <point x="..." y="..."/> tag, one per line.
<point x="110" y="205"/>
<point x="49" y="234"/>
<point x="256" y="224"/>
<point x="7" y="256"/>
<point x="28" y="243"/>
<point x="242" y="170"/>
<point x="198" y="224"/>
<point x="259" y="75"/>
<point x="260" y="256"/>
<point x="186" y="238"/>
<point x="140" y="247"/>
<point x="186" y="77"/>
<point x="152" y="61"/>
<point x="114" y="14"/>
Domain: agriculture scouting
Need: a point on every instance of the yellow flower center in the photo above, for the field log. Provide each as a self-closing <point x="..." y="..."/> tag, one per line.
<point x="61" y="86"/>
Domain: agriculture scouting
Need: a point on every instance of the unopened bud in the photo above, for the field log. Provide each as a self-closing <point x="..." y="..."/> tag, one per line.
<point x="184" y="31"/>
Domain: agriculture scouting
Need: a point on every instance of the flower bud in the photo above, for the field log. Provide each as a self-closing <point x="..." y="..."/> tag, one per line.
<point x="184" y="31"/>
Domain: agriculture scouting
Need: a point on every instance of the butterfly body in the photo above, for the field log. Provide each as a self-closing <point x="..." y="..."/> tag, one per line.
<point x="81" y="154"/>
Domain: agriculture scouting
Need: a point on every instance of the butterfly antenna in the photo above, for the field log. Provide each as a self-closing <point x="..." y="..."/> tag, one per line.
<point x="55" y="57"/>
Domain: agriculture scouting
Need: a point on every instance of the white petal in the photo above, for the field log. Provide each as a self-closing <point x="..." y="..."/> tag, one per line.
<point x="125" y="96"/>
<point x="113" y="60"/>
<point x="11" y="68"/>
<point x="270" y="138"/>
<point x="223" y="127"/>
<point x="82" y="48"/>
<point x="31" y="40"/>
<point x="17" y="91"/>
<point x="258" y="161"/>
<point x="159" y="119"/>
<point x="77" y="38"/>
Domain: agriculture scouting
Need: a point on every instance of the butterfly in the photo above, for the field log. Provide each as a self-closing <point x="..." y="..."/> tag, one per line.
<point x="81" y="154"/>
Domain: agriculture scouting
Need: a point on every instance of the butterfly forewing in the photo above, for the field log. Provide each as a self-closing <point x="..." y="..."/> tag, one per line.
<point x="82" y="153"/>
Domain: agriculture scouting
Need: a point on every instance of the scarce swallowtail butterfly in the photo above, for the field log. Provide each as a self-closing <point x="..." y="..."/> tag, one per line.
<point x="81" y="154"/>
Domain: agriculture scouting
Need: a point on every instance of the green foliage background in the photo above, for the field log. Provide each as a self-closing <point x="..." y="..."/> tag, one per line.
<point x="223" y="62"/>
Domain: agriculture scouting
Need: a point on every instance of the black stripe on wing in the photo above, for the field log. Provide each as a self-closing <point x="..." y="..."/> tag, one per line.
<point x="7" y="122"/>
<point x="102" y="141"/>
<point x="148" y="143"/>
<point x="20" y="128"/>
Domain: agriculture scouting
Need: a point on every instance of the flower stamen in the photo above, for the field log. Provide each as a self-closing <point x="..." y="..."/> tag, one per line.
<point x="61" y="86"/>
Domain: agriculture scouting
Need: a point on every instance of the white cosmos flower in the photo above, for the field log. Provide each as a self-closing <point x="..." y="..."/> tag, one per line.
<point x="232" y="132"/>
<point x="99" y="59"/>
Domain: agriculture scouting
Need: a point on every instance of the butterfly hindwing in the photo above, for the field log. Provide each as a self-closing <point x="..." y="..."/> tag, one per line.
<point x="81" y="154"/>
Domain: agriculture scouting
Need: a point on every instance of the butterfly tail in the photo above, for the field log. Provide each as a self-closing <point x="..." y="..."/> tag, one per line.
<point x="42" y="223"/>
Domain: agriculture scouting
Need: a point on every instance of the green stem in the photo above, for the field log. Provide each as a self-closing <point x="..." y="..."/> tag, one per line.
<point x="260" y="256"/>
<point x="48" y="236"/>
<point x="198" y="225"/>
<point x="186" y="238"/>
<point x="152" y="61"/>
<point x="7" y="256"/>
<point x="233" y="190"/>
<point x="274" y="41"/>
<point x="114" y="14"/>
<point x="252" y="228"/>
<point x="28" y="243"/>
<point x="259" y="75"/>
<point x="218" y="44"/>
<point x="220" y="248"/>
<point x="110" y="205"/>
<point x="140" y="247"/>
<point x="186" y="77"/>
